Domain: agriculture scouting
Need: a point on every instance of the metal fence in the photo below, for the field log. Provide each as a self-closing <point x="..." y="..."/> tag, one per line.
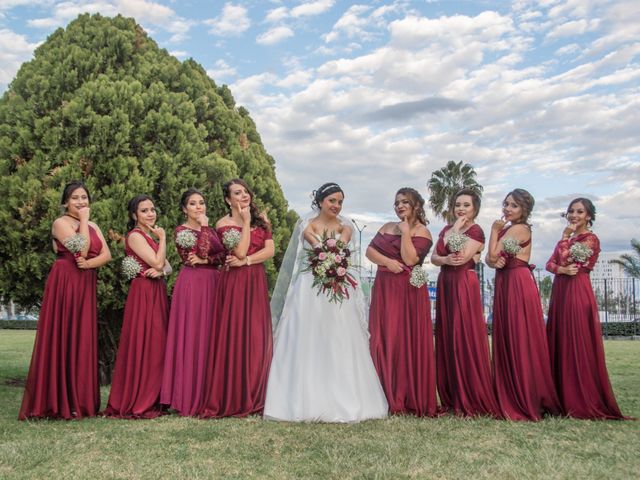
<point x="618" y="300"/>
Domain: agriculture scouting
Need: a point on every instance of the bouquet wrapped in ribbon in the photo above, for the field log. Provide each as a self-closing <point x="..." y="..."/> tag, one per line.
<point x="580" y="254"/>
<point x="329" y="263"/>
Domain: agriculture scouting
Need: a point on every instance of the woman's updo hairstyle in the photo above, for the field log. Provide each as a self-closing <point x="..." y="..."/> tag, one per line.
<point x="588" y="206"/>
<point x="132" y="209"/>
<point x="416" y="201"/>
<point x="323" y="192"/>
<point x="525" y="201"/>
<point x="71" y="187"/>
<point x="184" y="199"/>
<point x="476" y="201"/>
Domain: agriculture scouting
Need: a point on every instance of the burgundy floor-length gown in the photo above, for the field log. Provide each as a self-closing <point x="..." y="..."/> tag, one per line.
<point x="522" y="373"/>
<point x="463" y="362"/>
<point x="189" y="339"/>
<point x="575" y="338"/>
<point x="242" y="338"/>
<point x="63" y="376"/>
<point x="402" y="334"/>
<point x="137" y="375"/>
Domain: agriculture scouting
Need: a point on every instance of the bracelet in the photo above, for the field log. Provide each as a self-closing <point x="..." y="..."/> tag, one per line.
<point x="248" y="260"/>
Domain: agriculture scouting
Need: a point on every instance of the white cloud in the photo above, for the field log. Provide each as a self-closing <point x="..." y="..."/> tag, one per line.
<point x="9" y="4"/>
<point x="527" y="119"/>
<point x="149" y="14"/>
<point x="312" y="8"/>
<point x="573" y="28"/>
<point x="46" y="23"/>
<point x="221" y="70"/>
<point x="568" y="49"/>
<point x="296" y="79"/>
<point x="233" y="20"/>
<point x="455" y="30"/>
<point x="14" y="50"/>
<point x="275" y="35"/>
<point x="277" y="14"/>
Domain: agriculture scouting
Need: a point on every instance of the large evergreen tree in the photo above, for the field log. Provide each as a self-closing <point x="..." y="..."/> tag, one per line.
<point x="102" y="102"/>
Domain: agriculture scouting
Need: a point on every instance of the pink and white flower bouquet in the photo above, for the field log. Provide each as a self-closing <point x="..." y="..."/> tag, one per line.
<point x="329" y="263"/>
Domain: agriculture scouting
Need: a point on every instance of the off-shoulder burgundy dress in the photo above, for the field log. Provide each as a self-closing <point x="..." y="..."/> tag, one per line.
<point x="63" y="376"/>
<point x="575" y="337"/>
<point x="242" y="339"/>
<point x="137" y="375"/>
<point x="189" y="340"/>
<point x="522" y="373"/>
<point x="401" y="332"/>
<point x="463" y="362"/>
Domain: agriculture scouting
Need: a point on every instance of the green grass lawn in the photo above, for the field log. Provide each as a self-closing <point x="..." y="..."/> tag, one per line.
<point x="399" y="447"/>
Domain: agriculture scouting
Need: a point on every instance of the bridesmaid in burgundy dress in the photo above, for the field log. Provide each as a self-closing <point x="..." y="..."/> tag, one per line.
<point x="242" y="321"/>
<point x="192" y="309"/>
<point x="575" y="338"/>
<point x="400" y="316"/>
<point x="137" y="376"/>
<point x="463" y="363"/>
<point x="522" y="374"/>
<point x="63" y="376"/>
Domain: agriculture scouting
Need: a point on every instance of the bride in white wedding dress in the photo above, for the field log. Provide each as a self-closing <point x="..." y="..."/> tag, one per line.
<point x="321" y="369"/>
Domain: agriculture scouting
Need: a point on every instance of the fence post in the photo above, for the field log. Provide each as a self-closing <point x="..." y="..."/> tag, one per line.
<point x="633" y="307"/>
<point x="606" y="310"/>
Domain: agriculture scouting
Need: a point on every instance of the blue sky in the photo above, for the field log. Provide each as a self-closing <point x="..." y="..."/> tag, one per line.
<point x="542" y="95"/>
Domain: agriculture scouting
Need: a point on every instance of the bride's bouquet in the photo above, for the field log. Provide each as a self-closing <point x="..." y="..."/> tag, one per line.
<point x="580" y="254"/>
<point x="329" y="263"/>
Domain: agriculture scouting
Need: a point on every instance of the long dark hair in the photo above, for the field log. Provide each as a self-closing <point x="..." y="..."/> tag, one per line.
<point x="257" y="218"/>
<point x="416" y="201"/>
<point x="525" y="201"/>
<point x="71" y="187"/>
<point x="323" y="192"/>
<point x="588" y="206"/>
<point x="132" y="209"/>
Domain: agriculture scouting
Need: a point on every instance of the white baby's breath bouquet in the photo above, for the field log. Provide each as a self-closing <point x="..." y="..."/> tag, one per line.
<point x="231" y="238"/>
<point x="510" y="247"/>
<point x="456" y="241"/>
<point x="418" y="276"/>
<point x="580" y="253"/>
<point x="75" y="244"/>
<point x="130" y="267"/>
<point x="186" y="239"/>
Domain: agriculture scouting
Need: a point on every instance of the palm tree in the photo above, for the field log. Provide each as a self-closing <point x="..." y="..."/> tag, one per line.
<point x="631" y="262"/>
<point x="444" y="183"/>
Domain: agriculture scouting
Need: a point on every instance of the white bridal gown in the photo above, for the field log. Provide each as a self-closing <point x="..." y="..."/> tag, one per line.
<point x="322" y="369"/>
